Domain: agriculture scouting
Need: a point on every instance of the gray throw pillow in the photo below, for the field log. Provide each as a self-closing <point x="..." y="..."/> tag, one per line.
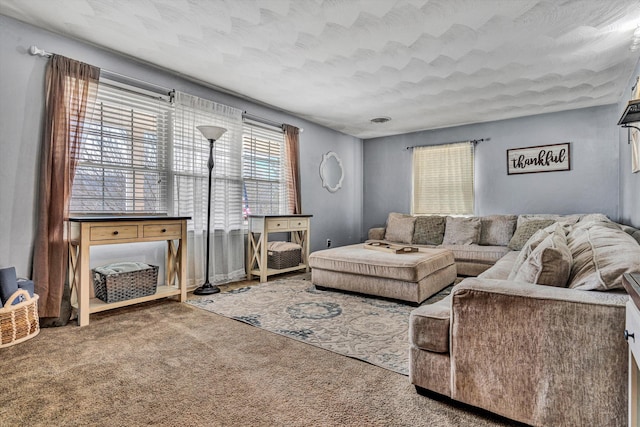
<point x="429" y="230"/>
<point x="399" y="228"/>
<point x="461" y="231"/>
<point x="497" y="230"/>
<point x="549" y="263"/>
<point x="525" y="231"/>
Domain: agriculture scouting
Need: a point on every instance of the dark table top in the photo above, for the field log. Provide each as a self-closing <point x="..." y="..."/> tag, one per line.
<point x="124" y="218"/>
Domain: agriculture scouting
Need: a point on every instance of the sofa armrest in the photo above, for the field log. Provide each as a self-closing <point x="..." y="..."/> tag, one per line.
<point x="539" y="354"/>
<point x="376" y="233"/>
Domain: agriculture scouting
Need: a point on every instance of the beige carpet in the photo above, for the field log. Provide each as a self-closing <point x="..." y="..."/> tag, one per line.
<point x="169" y="364"/>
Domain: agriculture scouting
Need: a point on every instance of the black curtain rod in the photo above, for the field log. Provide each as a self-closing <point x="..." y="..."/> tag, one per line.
<point x="473" y="141"/>
<point x="264" y="121"/>
<point x="35" y="51"/>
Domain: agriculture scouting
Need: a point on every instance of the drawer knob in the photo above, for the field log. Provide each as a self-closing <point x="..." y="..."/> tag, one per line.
<point x="278" y="225"/>
<point x="164" y="230"/>
<point x="628" y="335"/>
<point x="115" y="233"/>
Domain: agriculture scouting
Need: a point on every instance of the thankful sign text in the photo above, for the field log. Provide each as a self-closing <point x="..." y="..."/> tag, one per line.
<point x="544" y="158"/>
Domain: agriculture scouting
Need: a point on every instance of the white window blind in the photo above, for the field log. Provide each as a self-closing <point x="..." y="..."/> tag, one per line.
<point x="443" y="179"/>
<point x="190" y="156"/>
<point x="122" y="165"/>
<point x="263" y="170"/>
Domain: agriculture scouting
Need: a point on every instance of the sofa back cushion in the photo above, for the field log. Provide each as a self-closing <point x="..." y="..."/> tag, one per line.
<point x="602" y="253"/>
<point x="399" y="228"/>
<point x="497" y="230"/>
<point x="549" y="263"/>
<point x="429" y="230"/>
<point x="461" y="231"/>
<point x="527" y="229"/>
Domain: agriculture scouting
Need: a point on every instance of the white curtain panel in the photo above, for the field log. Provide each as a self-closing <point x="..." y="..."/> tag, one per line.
<point x="190" y="154"/>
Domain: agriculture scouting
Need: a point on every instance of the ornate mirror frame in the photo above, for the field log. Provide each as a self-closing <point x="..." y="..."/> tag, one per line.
<point x="329" y="181"/>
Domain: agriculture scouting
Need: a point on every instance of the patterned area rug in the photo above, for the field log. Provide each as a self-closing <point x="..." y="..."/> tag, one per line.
<point x="369" y="329"/>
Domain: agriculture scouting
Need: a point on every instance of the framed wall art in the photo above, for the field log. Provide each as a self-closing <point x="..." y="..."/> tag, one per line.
<point x="542" y="158"/>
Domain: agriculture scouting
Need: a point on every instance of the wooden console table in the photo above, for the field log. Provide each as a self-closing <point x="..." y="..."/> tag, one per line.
<point x="258" y="236"/>
<point x="85" y="232"/>
<point x="631" y="283"/>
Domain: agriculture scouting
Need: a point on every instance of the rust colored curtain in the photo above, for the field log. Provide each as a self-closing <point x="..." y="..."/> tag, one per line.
<point x="292" y="147"/>
<point x="71" y="88"/>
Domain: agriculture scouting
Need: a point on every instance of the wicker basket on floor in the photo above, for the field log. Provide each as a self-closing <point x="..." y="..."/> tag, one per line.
<point x="125" y="285"/>
<point x="19" y="322"/>
<point x="283" y="255"/>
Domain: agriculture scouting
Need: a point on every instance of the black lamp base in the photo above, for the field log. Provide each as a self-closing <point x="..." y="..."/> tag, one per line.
<point x="206" y="289"/>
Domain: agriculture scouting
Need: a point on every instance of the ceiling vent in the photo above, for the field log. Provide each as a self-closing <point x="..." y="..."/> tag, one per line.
<point x="379" y="120"/>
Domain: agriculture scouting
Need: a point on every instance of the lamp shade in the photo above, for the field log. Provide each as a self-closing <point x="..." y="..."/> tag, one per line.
<point x="212" y="132"/>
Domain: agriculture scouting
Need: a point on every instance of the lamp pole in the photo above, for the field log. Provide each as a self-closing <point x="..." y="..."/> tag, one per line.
<point x="212" y="133"/>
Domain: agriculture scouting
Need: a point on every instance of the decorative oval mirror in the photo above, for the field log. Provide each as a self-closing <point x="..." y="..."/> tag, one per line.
<point x="331" y="172"/>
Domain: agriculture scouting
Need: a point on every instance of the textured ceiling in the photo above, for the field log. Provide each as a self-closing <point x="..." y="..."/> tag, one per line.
<point x="424" y="63"/>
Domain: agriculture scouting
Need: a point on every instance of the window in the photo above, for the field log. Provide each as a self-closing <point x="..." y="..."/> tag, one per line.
<point x="122" y="166"/>
<point x="443" y="179"/>
<point x="265" y="189"/>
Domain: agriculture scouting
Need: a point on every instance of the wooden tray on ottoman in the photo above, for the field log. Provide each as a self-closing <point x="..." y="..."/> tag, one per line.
<point x="393" y="249"/>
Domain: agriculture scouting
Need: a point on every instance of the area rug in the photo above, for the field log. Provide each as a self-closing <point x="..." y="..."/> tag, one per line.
<point x="370" y="329"/>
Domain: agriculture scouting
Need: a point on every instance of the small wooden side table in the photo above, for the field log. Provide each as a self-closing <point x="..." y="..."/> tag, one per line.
<point x="85" y="232"/>
<point x="631" y="283"/>
<point x="260" y="226"/>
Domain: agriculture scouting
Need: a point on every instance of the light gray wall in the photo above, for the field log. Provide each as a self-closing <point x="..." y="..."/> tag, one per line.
<point x="590" y="186"/>
<point x="629" y="182"/>
<point x="337" y="216"/>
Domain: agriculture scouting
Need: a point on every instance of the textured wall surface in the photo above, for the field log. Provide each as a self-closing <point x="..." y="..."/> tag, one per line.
<point x="337" y="216"/>
<point x="590" y="186"/>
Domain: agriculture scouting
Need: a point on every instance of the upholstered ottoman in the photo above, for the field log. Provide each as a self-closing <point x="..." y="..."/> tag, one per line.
<point x="411" y="277"/>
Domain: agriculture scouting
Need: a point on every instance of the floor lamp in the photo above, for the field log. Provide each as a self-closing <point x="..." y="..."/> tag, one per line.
<point x="212" y="133"/>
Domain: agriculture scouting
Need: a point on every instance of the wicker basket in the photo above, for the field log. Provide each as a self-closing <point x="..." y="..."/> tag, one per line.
<point x="125" y="285"/>
<point x="19" y="322"/>
<point x="283" y="255"/>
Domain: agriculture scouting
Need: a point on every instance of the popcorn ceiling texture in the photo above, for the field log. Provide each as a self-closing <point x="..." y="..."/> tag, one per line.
<point x="426" y="64"/>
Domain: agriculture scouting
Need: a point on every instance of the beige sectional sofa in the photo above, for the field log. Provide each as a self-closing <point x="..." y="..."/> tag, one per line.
<point x="537" y="336"/>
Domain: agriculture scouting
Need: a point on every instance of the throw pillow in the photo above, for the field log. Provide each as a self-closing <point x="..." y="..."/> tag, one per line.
<point x="399" y="228"/>
<point x="525" y="231"/>
<point x="8" y="283"/>
<point x="497" y="230"/>
<point x="549" y="263"/>
<point x="429" y="230"/>
<point x="526" y="250"/>
<point x="602" y="254"/>
<point x="461" y="231"/>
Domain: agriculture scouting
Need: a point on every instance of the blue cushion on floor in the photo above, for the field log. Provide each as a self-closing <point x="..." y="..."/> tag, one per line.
<point x="28" y="286"/>
<point x="8" y="283"/>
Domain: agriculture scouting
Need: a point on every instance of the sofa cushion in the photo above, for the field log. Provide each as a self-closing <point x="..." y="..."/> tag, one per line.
<point x="549" y="263"/>
<point x="399" y="228"/>
<point x="565" y="219"/>
<point x="462" y="231"/>
<point x="497" y="230"/>
<point x="602" y="253"/>
<point x="429" y="230"/>
<point x="477" y="253"/>
<point x="524" y="232"/>
<point x="502" y="268"/>
<point x="429" y="326"/>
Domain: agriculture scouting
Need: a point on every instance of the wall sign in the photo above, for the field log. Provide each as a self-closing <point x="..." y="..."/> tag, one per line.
<point x="543" y="158"/>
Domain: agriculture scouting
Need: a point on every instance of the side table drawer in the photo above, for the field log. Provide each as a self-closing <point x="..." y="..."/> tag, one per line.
<point x="277" y="224"/>
<point x="632" y="326"/>
<point x="298" y="223"/>
<point x="113" y="232"/>
<point x="170" y="231"/>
